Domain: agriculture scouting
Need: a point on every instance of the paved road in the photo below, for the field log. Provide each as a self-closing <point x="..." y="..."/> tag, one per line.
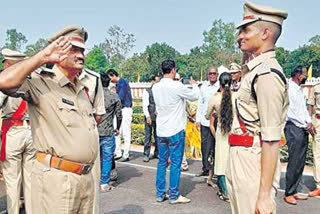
<point x="134" y="193"/>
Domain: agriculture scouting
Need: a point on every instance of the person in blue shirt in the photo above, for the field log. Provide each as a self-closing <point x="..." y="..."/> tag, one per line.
<point x="124" y="92"/>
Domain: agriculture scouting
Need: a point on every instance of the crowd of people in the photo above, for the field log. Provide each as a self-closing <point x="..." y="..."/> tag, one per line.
<point x="62" y="123"/>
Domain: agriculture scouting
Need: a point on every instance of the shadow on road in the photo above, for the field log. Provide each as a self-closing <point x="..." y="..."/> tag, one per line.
<point x="128" y="209"/>
<point x="125" y="174"/>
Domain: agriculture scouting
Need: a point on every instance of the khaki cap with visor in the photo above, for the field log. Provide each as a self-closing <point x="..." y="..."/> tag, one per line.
<point x="254" y="12"/>
<point x="9" y="54"/>
<point x="234" y="68"/>
<point x="76" y="34"/>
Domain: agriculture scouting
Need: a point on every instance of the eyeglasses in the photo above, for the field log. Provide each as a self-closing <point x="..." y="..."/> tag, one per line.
<point x="212" y="74"/>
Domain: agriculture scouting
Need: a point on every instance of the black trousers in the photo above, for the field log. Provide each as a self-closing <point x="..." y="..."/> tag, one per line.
<point x="208" y="145"/>
<point x="149" y="129"/>
<point x="297" y="142"/>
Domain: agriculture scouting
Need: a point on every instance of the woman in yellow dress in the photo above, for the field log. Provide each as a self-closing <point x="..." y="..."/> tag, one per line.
<point x="193" y="141"/>
<point x="220" y="107"/>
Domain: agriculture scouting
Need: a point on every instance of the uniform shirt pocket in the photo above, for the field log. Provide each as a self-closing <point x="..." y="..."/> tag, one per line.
<point x="69" y="114"/>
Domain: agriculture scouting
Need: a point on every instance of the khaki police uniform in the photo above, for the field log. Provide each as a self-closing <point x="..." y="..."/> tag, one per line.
<point x="91" y="80"/>
<point x="235" y="68"/>
<point x="64" y="129"/>
<point x="20" y="153"/>
<point x="314" y="100"/>
<point x="261" y="104"/>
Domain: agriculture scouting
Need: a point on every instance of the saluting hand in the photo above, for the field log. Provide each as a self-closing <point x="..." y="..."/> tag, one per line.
<point x="57" y="51"/>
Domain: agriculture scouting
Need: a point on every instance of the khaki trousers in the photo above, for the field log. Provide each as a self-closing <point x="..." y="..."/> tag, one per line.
<point x="58" y="192"/>
<point x="243" y="178"/>
<point x="316" y="152"/>
<point x="17" y="168"/>
<point x="96" y="173"/>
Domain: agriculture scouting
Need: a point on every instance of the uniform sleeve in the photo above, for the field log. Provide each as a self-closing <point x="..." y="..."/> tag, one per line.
<point x="145" y="103"/>
<point x="211" y="107"/>
<point x="99" y="100"/>
<point x="311" y="100"/>
<point x="30" y="90"/>
<point x="271" y="95"/>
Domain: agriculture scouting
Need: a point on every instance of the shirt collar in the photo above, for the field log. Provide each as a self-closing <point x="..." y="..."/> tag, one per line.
<point x="260" y="59"/>
<point x="62" y="79"/>
<point x="166" y="79"/>
<point x="83" y="75"/>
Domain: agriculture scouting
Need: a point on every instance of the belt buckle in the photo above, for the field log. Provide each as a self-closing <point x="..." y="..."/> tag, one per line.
<point x="86" y="169"/>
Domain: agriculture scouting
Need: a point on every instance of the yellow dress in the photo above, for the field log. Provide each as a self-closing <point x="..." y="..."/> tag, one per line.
<point x="193" y="140"/>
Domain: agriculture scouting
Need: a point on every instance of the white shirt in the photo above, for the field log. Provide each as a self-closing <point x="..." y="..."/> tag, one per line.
<point x="145" y="103"/>
<point x="207" y="90"/>
<point x="170" y="99"/>
<point x="297" y="112"/>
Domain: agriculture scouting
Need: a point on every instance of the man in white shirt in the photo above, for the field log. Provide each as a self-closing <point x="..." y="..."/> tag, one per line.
<point x="296" y="131"/>
<point x="208" y="89"/>
<point x="170" y="99"/>
<point x="149" y="111"/>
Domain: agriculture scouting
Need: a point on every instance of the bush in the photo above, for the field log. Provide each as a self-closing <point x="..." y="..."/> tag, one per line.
<point x="137" y="134"/>
<point x="137" y="105"/>
<point x="138" y="118"/>
<point x="137" y="109"/>
<point x="309" y="158"/>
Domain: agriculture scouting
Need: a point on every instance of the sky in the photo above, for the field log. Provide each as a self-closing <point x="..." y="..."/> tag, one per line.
<point x="179" y="23"/>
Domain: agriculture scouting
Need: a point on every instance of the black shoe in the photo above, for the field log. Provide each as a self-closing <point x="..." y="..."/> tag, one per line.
<point x="117" y="157"/>
<point x="155" y="156"/>
<point x="202" y="174"/>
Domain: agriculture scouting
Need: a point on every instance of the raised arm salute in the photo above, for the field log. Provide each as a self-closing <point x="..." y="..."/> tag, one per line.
<point x="63" y="126"/>
<point x="15" y="75"/>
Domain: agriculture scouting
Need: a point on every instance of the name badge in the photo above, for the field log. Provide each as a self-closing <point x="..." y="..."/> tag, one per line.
<point x="69" y="102"/>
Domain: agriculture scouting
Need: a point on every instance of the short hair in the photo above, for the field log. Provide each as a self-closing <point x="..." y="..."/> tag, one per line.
<point x="212" y="67"/>
<point x="297" y="70"/>
<point x="112" y="72"/>
<point x="105" y="80"/>
<point x="274" y="28"/>
<point x="167" y="66"/>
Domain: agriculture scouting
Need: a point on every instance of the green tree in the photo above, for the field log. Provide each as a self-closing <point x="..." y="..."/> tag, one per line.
<point x="220" y="43"/>
<point x="136" y="68"/>
<point x="36" y="47"/>
<point x="117" y="44"/>
<point x="282" y="56"/>
<point x="15" y="40"/>
<point x="96" y="60"/>
<point x="315" y="40"/>
<point x="157" y="53"/>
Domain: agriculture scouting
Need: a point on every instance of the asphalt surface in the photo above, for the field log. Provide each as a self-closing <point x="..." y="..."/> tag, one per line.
<point x="134" y="193"/>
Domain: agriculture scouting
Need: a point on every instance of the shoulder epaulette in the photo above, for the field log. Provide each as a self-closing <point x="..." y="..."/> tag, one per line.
<point x="93" y="73"/>
<point x="271" y="70"/>
<point x="42" y="70"/>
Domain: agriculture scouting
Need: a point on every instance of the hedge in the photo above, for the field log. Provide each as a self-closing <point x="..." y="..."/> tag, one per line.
<point x="137" y="134"/>
<point x="309" y="158"/>
<point x="137" y="118"/>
